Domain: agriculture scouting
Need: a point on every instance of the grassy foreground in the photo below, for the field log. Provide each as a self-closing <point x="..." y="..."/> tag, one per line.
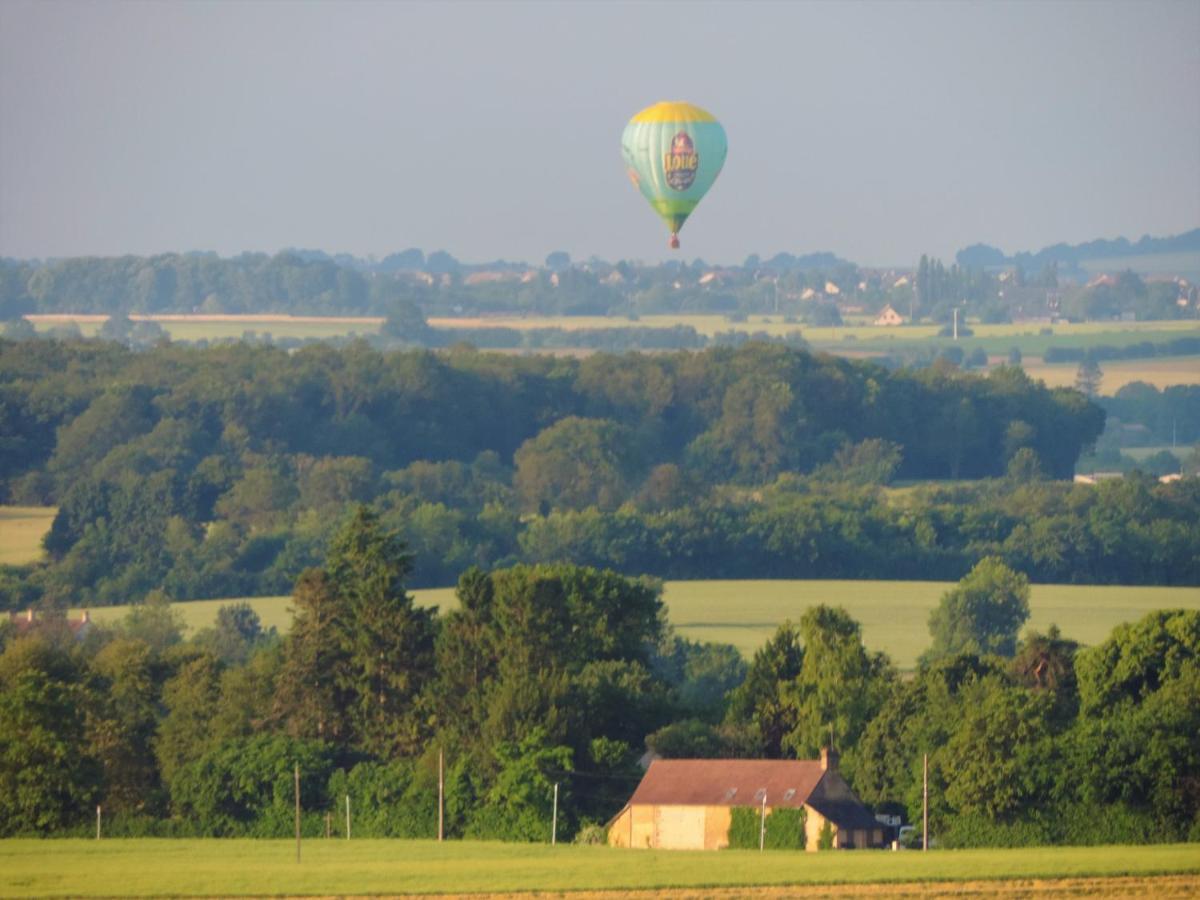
<point x="191" y="868"/>
<point x="894" y="614"/>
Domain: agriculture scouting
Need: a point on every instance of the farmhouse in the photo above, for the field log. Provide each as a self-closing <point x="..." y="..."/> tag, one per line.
<point x="687" y="804"/>
<point x="889" y="317"/>
<point x="25" y="623"/>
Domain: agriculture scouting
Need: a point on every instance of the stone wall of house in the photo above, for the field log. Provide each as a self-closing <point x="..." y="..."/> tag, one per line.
<point x="716" y="827"/>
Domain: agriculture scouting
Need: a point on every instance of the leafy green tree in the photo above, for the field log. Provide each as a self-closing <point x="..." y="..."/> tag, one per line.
<point x="1137" y="659"/>
<point x="360" y="652"/>
<point x="155" y="622"/>
<point x="697" y="739"/>
<point x="406" y="323"/>
<point x="1024" y="467"/>
<point x="388" y="639"/>
<point x="840" y="686"/>
<point x="1046" y="663"/>
<point x="1088" y="377"/>
<point x="576" y="463"/>
<point x="982" y="613"/>
<point x="996" y="762"/>
<point x="872" y="461"/>
<point x="238" y="632"/>
<point x="1141" y="756"/>
<point x="247" y="787"/>
<point x="116" y="328"/>
<point x="702" y="674"/>
<point x="261" y="498"/>
<point x="759" y="705"/>
<point x="919" y="716"/>
<point x="190" y="699"/>
<point x="113" y="418"/>
<point x="48" y="780"/>
<point x="122" y="722"/>
<point x="519" y="805"/>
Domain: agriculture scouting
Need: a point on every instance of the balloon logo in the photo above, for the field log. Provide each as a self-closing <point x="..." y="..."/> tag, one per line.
<point x="673" y="154"/>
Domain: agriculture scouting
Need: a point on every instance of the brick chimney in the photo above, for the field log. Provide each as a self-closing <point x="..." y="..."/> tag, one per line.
<point x="829" y="759"/>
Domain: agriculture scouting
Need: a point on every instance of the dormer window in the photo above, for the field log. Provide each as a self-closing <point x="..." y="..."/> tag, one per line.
<point x="760" y="794"/>
<point x="729" y="794"/>
<point x="789" y="794"/>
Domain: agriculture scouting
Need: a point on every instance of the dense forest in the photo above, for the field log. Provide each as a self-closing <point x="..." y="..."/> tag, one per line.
<point x="561" y="675"/>
<point x="223" y="472"/>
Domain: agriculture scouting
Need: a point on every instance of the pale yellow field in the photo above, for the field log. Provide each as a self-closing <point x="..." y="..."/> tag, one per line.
<point x="1162" y="372"/>
<point x="894" y="614"/>
<point x="21" y="532"/>
<point x="216" y="327"/>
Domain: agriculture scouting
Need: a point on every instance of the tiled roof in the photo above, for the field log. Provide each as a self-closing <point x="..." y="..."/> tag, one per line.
<point x="740" y="782"/>
<point x="728" y="782"/>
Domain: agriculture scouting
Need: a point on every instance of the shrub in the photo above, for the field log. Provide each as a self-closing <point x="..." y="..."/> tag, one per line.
<point x="825" y="841"/>
<point x="592" y="834"/>
<point x="979" y="831"/>
<point x="784" y="829"/>
<point x="743" y="828"/>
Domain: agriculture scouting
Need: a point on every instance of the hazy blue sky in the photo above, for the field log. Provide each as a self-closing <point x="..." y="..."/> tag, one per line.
<point x="875" y="130"/>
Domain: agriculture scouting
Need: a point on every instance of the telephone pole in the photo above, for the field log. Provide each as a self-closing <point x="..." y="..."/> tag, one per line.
<point x="554" y="818"/>
<point x="297" y="783"/>
<point x="925" y="805"/>
<point x="762" y="824"/>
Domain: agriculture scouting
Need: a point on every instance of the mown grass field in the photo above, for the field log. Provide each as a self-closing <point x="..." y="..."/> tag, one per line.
<point x="21" y="531"/>
<point x="198" y="868"/>
<point x="894" y="614"/>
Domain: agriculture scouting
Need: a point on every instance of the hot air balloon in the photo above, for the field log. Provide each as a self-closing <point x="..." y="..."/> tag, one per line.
<point x="673" y="153"/>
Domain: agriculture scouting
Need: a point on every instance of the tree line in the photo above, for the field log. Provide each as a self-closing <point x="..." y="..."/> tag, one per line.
<point x="565" y="675"/>
<point x="220" y="472"/>
<point x="803" y="288"/>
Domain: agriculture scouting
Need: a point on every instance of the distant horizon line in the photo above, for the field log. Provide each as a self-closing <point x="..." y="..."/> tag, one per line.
<point x="373" y="259"/>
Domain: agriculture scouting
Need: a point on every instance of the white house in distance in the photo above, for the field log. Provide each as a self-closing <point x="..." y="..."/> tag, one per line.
<point x="889" y="316"/>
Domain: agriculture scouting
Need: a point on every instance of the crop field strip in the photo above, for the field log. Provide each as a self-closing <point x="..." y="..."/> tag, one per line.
<point x="863" y="337"/>
<point x="21" y="532"/>
<point x="333" y="867"/>
<point x="1162" y="372"/>
<point x="894" y="614"/>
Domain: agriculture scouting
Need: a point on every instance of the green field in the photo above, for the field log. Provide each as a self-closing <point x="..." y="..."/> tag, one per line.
<point x="21" y="531"/>
<point x="192" y="868"/>
<point x="894" y="614"/>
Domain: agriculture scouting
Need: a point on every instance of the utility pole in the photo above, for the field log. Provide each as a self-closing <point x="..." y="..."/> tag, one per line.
<point x="554" y="818"/>
<point x="347" y="817"/>
<point x="956" y="323"/>
<point x="297" y="812"/>
<point x="97" y="823"/>
<point x="441" y="798"/>
<point x="762" y="823"/>
<point x="925" y="805"/>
